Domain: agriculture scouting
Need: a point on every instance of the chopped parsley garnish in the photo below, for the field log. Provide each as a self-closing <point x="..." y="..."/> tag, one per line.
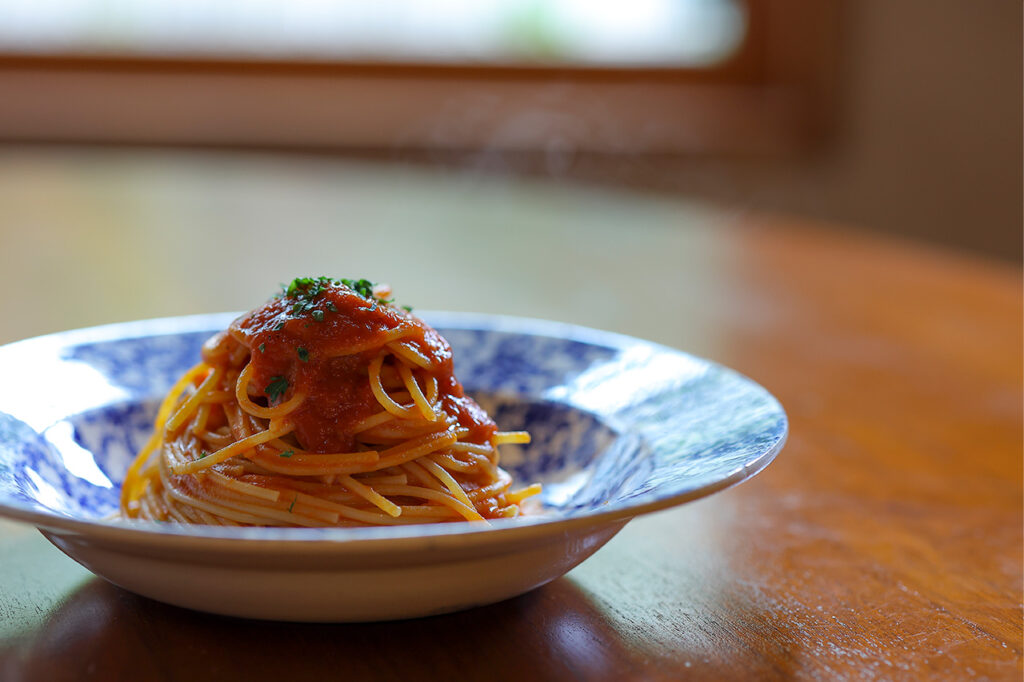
<point x="263" y="347"/>
<point x="303" y="354"/>
<point x="363" y="287"/>
<point x="276" y="388"/>
<point x="279" y="326"/>
<point x="204" y="453"/>
<point x="292" y="505"/>
<point x="287" y="453"/>
<point x="308" y="287"/>
<point x="304" y="292"/>
<point x="407" y="308"/>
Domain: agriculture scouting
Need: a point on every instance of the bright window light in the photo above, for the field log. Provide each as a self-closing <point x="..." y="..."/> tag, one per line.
<point x="689" y="33"/>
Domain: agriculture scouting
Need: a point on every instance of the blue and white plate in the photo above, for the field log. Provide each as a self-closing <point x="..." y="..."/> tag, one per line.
<point x="620" y="427"/>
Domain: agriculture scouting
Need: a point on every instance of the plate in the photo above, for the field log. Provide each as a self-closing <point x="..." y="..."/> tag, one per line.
<point x="620" y="427"/>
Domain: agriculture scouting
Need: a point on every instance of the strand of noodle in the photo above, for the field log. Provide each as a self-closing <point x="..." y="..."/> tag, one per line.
<point x="242" y="395"/>
<point x="363" y="514"/>
<point x="389" y="475"/>
<point x="152" y="470"/>
<point x="372" y="496"/>
<point x="215" y="349"/>
<point x="371" y="344"/>
<point x="238" y="426"/>
<point x="371" y="478"/>
<point x="402" y="397"/>
<point x="320" y="465"/>
<point x="170" y="507"/>
<point x="353" y="513"/>
<point x="445" y="478"/>
<point x="192" y="514"/>
<point x="415" y="448"/>
<point x="416" y="393"/>
<point x="175" y="512"/>
<point x="376" y="420"/>
<point x="232" y="506"/>
<point x="177" y="451"/>
<point x="188" y="501"/>
<point x="409" y="352"/>
<point x="402" y="430"/>
<point x="468" y="512"/>
<point x="291" y="504"/>
<point x="211" y="520"/>
<point x="284" y="446"/>
<point x="335" y="503"/>
<point x="450" y="462"/>
<point x="238" y="355"/>
<point x="252" y="425"/>
<point x="517" y="496"/>
<point x="503" y="437"/>
<point x="381" y="395"/>
<point x="236" y="448"/>
<point x="473" y="447"/>
<point x="379" y="519"/>
<point x="492" y="489"/>
<point x="129" y="489"/>
<point x="202" y="416"/>
<point x="159" y="506"/>
<point x="332" y="505"/>
<point x="476" y="463"/>
<point x="488" y="465"/>
<point x="146" y="512"/>
<point x="217" y="440"/>
<point x="192" y="402"/>
<point x="245" y="488"/>
<point x="428" y="511"/>
<point x="422" y="477"/>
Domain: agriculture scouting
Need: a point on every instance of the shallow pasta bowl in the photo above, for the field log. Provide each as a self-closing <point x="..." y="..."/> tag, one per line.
<point x="620" y="427"/>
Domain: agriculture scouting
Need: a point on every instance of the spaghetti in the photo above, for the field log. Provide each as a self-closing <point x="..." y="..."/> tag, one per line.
<point x="327" y="406"/>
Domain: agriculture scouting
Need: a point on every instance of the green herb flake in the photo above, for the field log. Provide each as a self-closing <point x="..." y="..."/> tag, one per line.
<point x="279" y="326"/>
<point x="287" y="453"/>
<point x="263" y="347"/>
<point x="303" y="354"/>
<point x="407" y="308"/>
<point x="304" y="293"/>
<point x="292" y="505"/>
<point x="363" y="287"/>
<point x="204" y="453"/>
<point x="276" y="388"/>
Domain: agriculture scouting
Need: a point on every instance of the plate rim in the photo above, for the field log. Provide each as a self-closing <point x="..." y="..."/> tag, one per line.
<point x="359" y="541"/>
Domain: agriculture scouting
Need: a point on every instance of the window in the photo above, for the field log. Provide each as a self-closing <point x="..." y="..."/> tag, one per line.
<point x="647" y="76"/>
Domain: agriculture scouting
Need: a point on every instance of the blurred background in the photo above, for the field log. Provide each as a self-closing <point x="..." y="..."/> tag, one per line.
<point x="585" y="161"/>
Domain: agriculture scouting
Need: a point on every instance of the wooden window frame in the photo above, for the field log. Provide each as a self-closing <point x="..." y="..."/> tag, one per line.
<point x="771" y="97"/>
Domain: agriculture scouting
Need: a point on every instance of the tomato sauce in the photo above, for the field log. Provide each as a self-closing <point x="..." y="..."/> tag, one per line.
<point x="320" y="341"/>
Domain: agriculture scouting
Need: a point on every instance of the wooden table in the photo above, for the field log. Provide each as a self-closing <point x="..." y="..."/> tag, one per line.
<point x="884" y="543"/>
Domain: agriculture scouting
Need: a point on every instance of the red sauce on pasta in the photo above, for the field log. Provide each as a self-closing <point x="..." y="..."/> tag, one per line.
<point x="322" y="347"/>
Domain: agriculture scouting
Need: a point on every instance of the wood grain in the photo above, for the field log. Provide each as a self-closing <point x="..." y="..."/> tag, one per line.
<point x="884" y="543"/>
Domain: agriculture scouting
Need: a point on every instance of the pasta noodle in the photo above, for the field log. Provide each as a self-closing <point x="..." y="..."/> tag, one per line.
<point x="327" y="406"/>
